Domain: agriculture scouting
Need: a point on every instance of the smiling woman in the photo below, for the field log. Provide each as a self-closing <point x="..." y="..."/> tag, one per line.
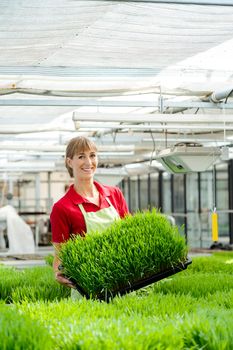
<point x="81" y="162"/>
<point x="87" y="205"/>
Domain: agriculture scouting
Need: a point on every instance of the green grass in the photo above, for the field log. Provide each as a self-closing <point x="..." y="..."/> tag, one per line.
<point x="190" y="310"/>
<point x="197" y="285"/>
<point x="49" y="259"/>
<point x="129" y="250"/>
<point x="19" y="331"/>
<point x="94" y="325"/>
<point x="217" y="263"/>
<point x="31" y="284"/>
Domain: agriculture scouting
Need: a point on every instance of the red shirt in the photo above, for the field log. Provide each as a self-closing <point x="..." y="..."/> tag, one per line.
<point x="66" y="217"/>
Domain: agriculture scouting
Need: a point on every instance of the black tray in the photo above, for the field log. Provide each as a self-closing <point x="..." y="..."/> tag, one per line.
<point x="108" y="295"/>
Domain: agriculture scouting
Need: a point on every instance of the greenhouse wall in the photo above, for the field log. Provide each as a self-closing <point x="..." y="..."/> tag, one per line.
<point x="188" y="198"/>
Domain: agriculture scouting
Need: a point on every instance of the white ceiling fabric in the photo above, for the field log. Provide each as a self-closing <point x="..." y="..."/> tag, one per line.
<point x="108" y="51"/>
<point x="108" y="33"/>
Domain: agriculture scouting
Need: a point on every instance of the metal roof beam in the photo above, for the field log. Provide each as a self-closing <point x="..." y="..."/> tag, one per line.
<point x="111" y="103"/>
<point x="77" y="71"/>
<point x="151" y="127"/>
<point x="152" y="118"/>
<point x="196" y="104"/>
<point x="184" y="2"/>
<point x="74" y="103"/>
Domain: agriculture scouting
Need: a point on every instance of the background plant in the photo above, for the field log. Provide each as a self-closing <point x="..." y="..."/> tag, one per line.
<point x="19" y="331"/>
<point x="30" y="284"/>
<point x="176" y="313"/>
<point x="49" y="259"/>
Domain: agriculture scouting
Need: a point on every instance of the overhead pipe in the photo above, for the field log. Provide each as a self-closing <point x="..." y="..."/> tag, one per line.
<point x="189" y="2"/>
<point x="102" y="148"/>
<point x="11" y="129"/>
<point x="218" y="96"/>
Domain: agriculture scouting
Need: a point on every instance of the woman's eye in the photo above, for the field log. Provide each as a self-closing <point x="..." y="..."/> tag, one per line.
<point x="93" y="155"/>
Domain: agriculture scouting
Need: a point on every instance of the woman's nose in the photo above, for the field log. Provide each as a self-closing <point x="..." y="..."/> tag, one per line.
<point x="87" y="160"/>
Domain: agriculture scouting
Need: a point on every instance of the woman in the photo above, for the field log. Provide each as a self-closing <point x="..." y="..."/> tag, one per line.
<point x="87" y="205"/>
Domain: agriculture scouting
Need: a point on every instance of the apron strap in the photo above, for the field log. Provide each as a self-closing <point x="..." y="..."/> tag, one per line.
<point x="108" y="200"/>
<point x="82" y="210"/>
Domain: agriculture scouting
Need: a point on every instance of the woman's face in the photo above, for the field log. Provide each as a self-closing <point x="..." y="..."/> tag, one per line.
<point x="84" y="164"/>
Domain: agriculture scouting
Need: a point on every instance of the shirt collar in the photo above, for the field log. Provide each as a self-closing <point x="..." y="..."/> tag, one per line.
<point x="77" y="199"/>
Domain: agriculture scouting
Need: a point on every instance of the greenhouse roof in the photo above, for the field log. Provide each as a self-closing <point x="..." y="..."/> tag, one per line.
<point x="137" y="76"/>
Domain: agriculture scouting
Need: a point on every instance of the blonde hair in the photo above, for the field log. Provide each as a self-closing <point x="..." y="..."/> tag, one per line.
<point x="77" y="145"/>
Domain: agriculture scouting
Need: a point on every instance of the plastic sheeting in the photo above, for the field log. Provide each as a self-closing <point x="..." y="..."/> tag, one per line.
<point x="19" y="234"/>
<point x="53" y="52"/>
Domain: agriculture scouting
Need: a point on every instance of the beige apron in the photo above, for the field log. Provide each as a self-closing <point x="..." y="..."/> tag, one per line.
<point x="96" y="221"/>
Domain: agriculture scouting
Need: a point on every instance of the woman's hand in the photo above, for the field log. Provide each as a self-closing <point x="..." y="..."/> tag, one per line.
<point x="58" y="269"/>
<point x="63" y="280"/>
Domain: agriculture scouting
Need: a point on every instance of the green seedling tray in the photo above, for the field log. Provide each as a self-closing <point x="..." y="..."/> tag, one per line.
<point x="108" y="295"/>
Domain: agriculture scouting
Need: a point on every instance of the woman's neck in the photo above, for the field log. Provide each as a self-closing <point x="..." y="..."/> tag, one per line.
<point x="88" y="191"/>
<point x="85" y="188"/>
